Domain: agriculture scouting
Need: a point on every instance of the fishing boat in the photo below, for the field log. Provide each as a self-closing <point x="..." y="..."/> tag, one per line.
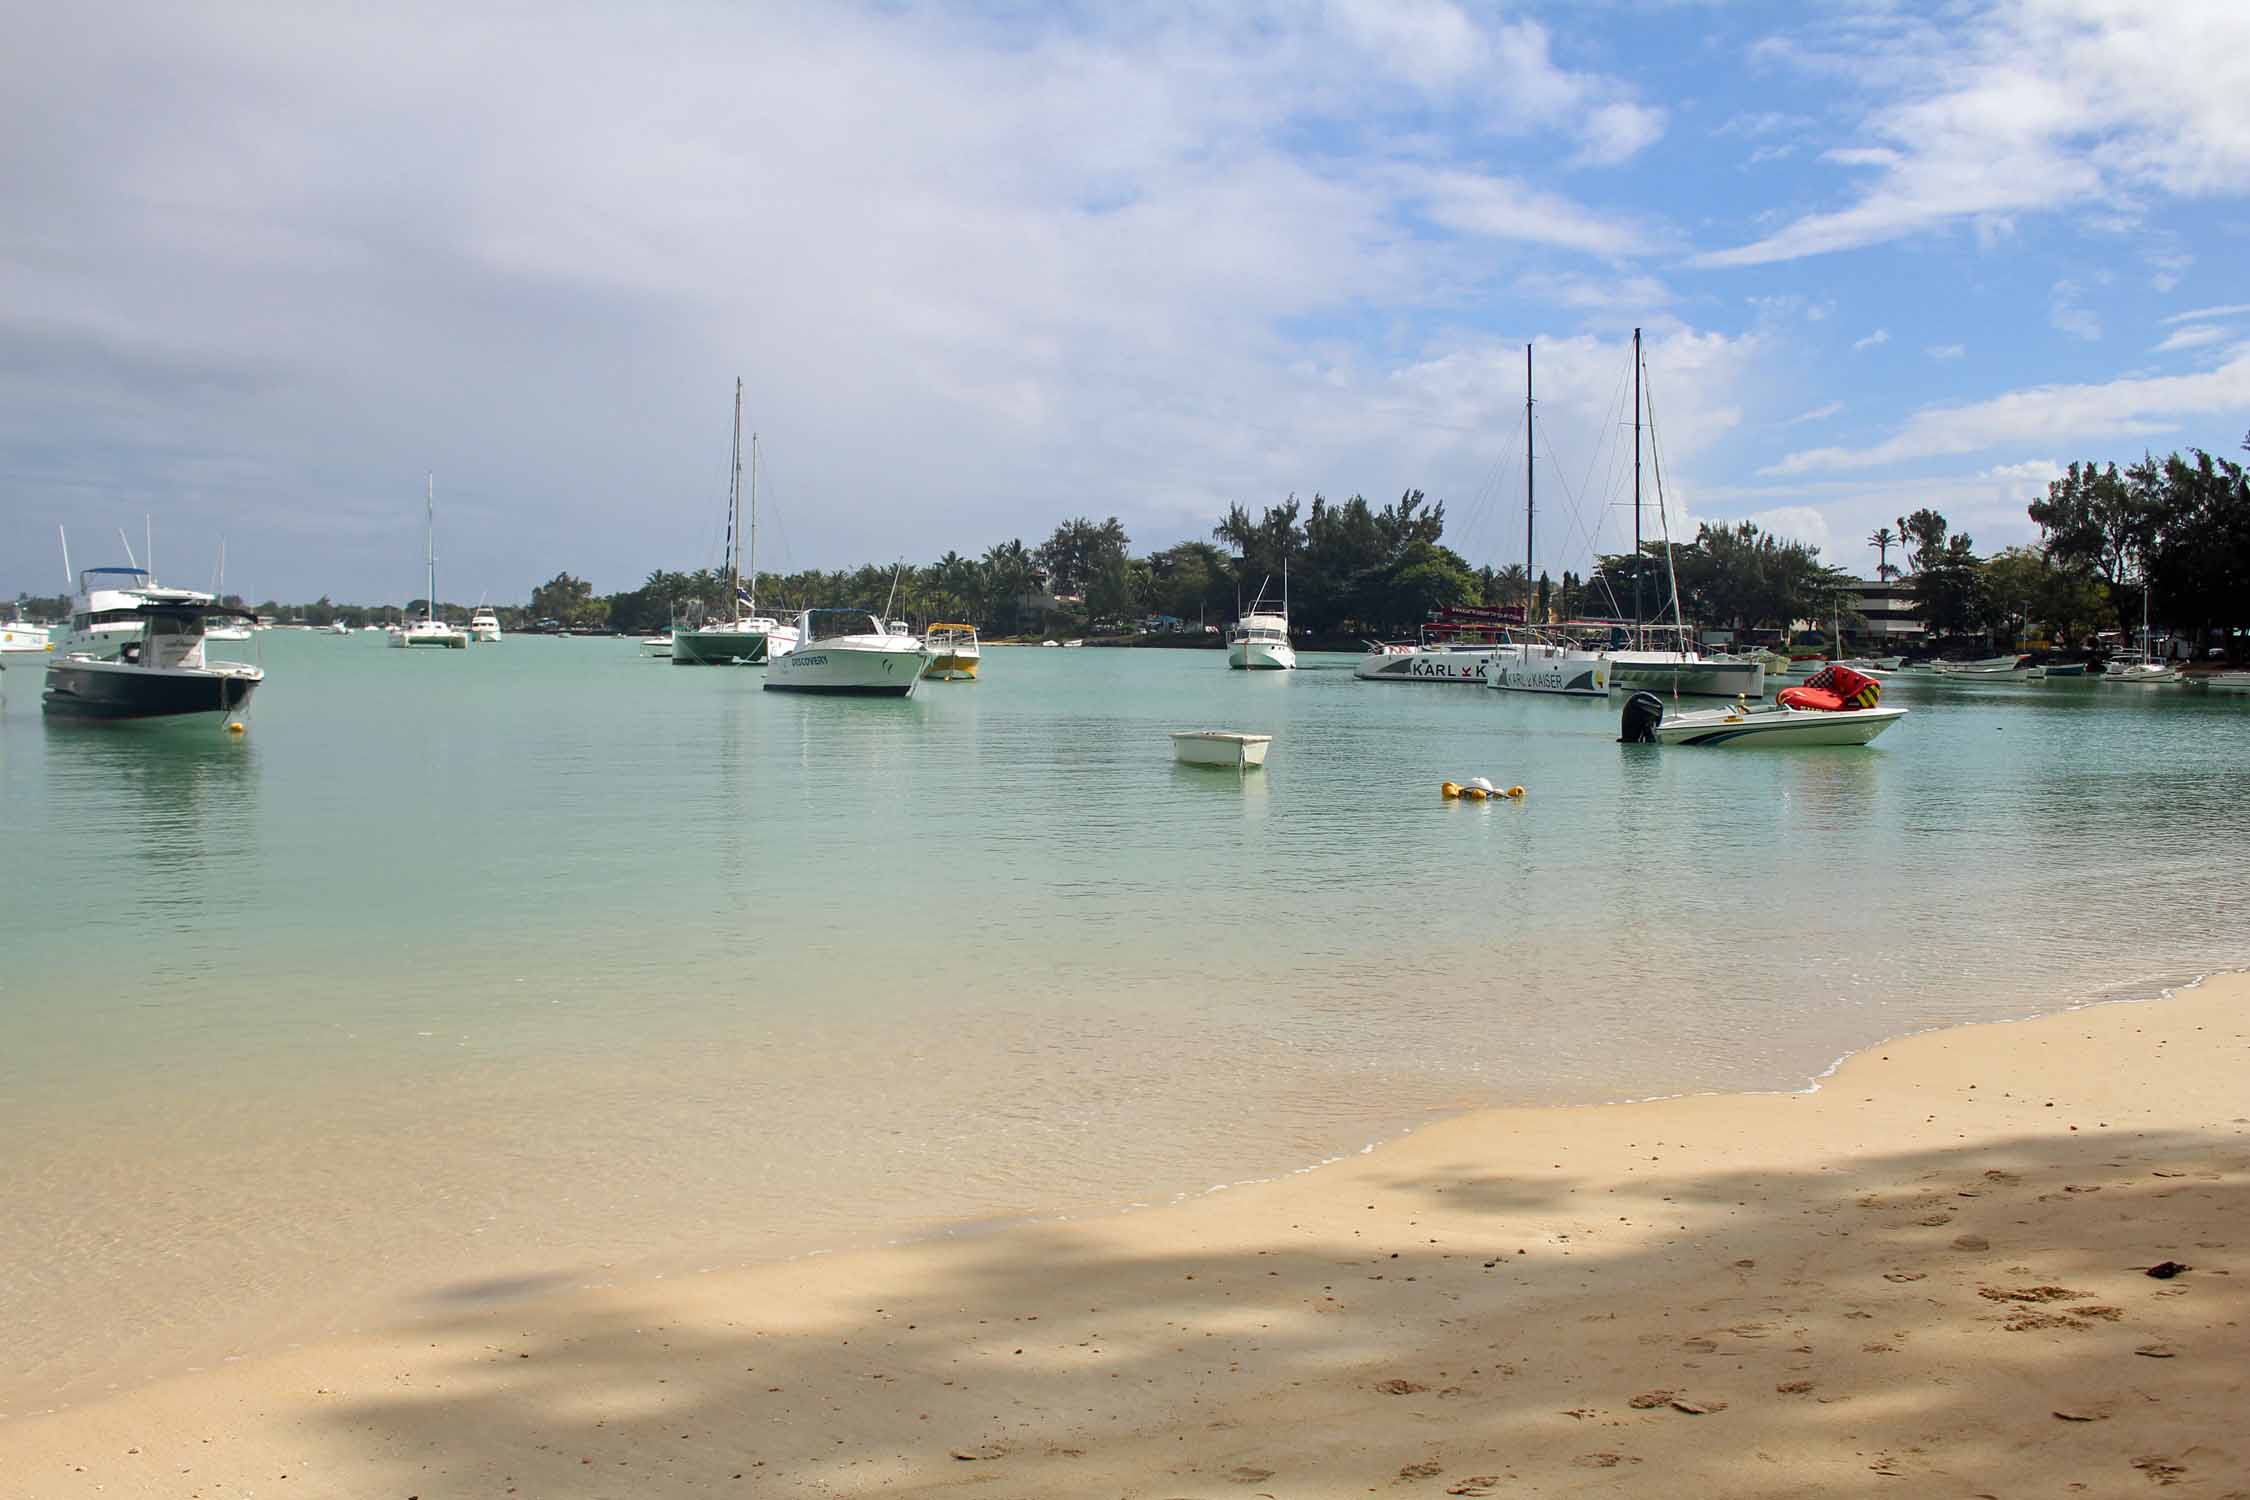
<point x="955" y="652"/>
<point x="742" y="637"/>
<point x="161" y="673"/>
<point x="1680" y="669"/>
<point x="484" y="625"/>
<point x="1220" y="747"/>
<point x="431" y="629"/>
<point x="846" y="651"/>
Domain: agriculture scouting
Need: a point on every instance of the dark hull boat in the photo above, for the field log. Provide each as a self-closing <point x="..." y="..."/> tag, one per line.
<point x="160" y="676"/>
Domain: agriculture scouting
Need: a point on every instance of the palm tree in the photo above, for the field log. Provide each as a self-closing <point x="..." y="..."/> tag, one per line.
<point x="1883" y="541"/>
<point x="1513" y="584"/>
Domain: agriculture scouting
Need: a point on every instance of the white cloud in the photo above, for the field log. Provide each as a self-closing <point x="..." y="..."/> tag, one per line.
<point x="2029" y="107"/>
<point x="1503" y="208"/>
<point x="2040" y="469"/>
<point x="1619" y="131"/>
<point x="2200" y="314"/>
<point x="2069" y="416"/>
<point x="1879" y="336"/>
<point x="2068" y="314"/>
<point x="2192" y="336"/>
<point x="1820" y="413"/>
<point x="1946" y="351"/>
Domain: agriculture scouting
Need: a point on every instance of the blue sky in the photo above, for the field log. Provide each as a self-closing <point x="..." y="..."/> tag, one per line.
<point x="981" y="269"/>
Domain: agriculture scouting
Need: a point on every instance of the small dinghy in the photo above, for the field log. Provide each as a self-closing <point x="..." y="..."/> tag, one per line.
<point x="1220" y="747"/>
<point x="1836" y="706"/>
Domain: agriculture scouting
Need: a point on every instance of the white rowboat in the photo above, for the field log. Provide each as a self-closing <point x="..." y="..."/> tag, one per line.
<point x="1220" y="747"/>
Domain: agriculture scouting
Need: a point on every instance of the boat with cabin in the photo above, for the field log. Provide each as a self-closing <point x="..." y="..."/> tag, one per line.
<point x="1259" y="641"/>
<point x="955" y="653"/>
<point x="19" y="637"/>
<point x="846" y="651"/>
<point x="484" y="625"/>
<point x="160" y="673"/>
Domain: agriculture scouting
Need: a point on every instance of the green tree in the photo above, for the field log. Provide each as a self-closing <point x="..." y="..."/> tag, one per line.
<point x="1883" y="540"/>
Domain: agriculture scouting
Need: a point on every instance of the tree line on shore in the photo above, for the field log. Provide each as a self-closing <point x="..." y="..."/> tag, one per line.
<point x="2175" y="529"/>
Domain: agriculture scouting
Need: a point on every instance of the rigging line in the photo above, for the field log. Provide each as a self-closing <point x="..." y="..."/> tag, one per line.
<point x="1485" y="499"/>
<point x="1576" y="512"/>
<point x="1663" y="521"/>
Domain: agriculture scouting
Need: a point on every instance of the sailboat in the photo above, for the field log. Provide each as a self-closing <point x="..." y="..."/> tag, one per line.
<point x="430" y="630"/>
<point x="1681" y="669"/>
<point x="742" y="636"/>
<point x="231" y="629"/>
<point x="2147" y="671"/>
<point x="1537" y="664"/>
<point x="1259" y="641"/>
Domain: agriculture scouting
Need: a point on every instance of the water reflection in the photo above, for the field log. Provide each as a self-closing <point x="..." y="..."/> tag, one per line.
<point x="176" y="806"/>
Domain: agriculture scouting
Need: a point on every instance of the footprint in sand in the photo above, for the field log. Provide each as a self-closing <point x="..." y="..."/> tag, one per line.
<point x="1248" y="1474"/>
<point x="1400" y="1387"/>
<point x="1428" y="1468"/>
<point x="1475" y="1484"/>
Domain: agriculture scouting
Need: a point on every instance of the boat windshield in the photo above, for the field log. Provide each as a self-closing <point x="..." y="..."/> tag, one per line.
<point x="827" y="624"/>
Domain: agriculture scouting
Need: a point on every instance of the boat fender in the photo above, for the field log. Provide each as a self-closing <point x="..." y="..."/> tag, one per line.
<point x="1637" y="724"/>
<point x="1475" y="794"/>
<point x="1449" y="790"/>
<point x="1514" y="793"/>
<point x="1483" y="784"/>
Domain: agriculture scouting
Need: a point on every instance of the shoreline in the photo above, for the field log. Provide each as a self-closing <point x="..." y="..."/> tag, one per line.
<point x="1417" y="1315"/>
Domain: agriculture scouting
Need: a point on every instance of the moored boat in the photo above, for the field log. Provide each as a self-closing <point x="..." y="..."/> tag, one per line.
<point x="1259" y="641"/>
<point x="1220" y="747"/>
<point x="742" y="637"/>
<point x="484" y="626"/>
<point x="19" y="637"/>
<point x="161" y="673"/>
<point x="847" y="651"/>
<point x="1837" y="706"/>
<point x="431" y="629"/>
<point x="657" y="645"/>
<point x="955" y="653"/>
<point x="2228" y="682"/>
<point x="1540" y="666"/>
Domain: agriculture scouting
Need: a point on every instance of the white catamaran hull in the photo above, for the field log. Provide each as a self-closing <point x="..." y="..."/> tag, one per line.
<point x="1548" y="669"/>
<point x="1697" y="676"/>
<point x="1417" y="665"/>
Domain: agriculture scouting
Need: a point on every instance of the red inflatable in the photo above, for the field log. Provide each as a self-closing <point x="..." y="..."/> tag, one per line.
<point x="1832" y="689"/>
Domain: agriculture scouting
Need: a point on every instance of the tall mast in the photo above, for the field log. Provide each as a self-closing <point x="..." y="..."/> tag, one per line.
<point x="1636" y="476"/>
<point x="753" y="523"/>
<point x="1527" y="505"/>
<point x="429" y="549"/>
<point x="734" y="513"/>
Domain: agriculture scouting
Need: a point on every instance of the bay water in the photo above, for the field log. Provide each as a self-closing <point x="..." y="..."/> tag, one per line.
<point x="467" y="975"/>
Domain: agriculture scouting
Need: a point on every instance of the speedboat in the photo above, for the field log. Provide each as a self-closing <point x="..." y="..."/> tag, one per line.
<point x="954" y="652"/>
<point x="484" y="626"/>
<point x="1838" y="706"/>
<point x="159" y="674"/>
<point x="338" y="627"/>
<point x="1220" y="747"/>
<point x="847" y="651"/>
<point x="657" y="645"/>
<point x="2001" y="668"/>
<point x="2228" y="682"/>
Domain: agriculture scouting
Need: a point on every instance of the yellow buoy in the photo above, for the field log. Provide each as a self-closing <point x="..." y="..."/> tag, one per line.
<point x="237" y="727"/>
<point x="1449" y="790"/>
<point x="1475" y="793"/>
<point x="1515" y="791"/>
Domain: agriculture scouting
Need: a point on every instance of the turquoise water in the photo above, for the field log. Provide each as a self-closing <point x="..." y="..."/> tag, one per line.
<point x="465" y="973"/>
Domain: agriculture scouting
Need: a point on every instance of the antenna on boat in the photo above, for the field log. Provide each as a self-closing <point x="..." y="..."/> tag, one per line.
<point x="128" y="544"/>
<point x="899" y="568"/>
<point x="148" y="538"/>
<point x="64" y="533"/>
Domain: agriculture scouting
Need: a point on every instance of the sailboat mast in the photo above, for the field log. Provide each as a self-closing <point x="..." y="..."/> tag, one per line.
<point x="1636" y="476"/>
<point x="429" y="548"/>
<point x="1527" y="493"/>
<point x="734" y="513"/>
<point x="753" y="523"/>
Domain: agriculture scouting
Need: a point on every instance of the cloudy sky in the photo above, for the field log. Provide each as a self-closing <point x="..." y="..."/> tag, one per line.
<point x="983" y="267"/>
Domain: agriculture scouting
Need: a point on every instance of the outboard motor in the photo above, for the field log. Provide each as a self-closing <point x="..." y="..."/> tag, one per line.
<point x="1637" y="725"/>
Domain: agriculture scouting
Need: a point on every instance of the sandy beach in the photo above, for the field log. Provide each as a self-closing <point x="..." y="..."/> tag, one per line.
<point x="1930" y="1276"/>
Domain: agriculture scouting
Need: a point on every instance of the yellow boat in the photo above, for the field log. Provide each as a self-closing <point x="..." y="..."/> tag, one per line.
<point x="954" y="652"/>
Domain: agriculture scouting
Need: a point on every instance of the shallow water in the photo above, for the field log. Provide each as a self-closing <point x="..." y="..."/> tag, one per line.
<point x="468" y="974"/>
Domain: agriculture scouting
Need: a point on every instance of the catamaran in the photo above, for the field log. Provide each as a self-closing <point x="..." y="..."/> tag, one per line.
<point x="742" y="636"/>
<point x="1537" y="662"/>
<point x="431" y="629"/>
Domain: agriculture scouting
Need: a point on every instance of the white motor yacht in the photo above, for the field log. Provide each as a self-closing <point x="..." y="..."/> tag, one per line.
<point x="847" y="651"/>
<point x="484" y="626"/>
<point x="161" y="673"/>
